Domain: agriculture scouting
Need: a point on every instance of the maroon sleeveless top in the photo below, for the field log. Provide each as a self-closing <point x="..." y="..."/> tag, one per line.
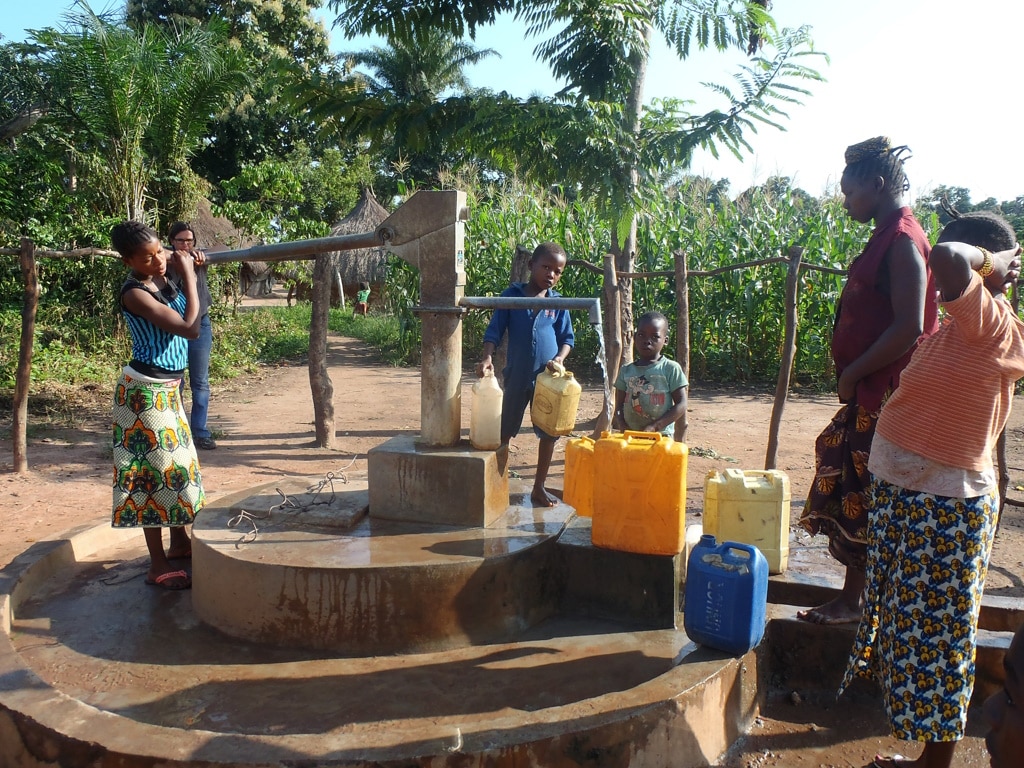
<point x="865" y="308"/>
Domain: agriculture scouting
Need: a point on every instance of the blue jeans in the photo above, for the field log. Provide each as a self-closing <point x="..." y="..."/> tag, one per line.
<point x="199" y="377"/>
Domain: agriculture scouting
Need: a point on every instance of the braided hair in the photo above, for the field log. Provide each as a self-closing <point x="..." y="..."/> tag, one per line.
<point x="128" y="236"/>
<point x="978" y="228"/>
<point x="877" y="157"/>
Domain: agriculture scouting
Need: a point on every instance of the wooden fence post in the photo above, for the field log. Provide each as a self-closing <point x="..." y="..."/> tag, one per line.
<point x="1002" y="469"/>
<point x="612" y="341"/>
<point x="23" y="377"/>
<point x="788" y="355"/>
<point x="682" y="332"/>
<point x="519" y="272"/>
<point x="319" y="377"/>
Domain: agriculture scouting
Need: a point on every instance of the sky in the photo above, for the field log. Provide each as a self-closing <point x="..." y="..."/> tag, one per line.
<point x="938" y="76"/>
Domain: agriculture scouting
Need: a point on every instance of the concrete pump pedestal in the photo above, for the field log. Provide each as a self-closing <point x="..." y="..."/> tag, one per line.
<point x="452" y="486"/>
<point x="333" y="578"/>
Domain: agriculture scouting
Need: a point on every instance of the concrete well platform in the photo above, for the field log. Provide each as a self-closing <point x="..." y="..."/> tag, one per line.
<point x="99" y="670"/>
<point x="454" y="485"/>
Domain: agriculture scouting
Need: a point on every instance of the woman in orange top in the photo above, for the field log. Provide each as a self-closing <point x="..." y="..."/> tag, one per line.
<point x="934" y="499"/>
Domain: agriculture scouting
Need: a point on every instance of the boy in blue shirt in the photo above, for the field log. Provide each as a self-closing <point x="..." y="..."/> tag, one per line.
<point x="649" y="391"/>
<point x="536" y="339"/>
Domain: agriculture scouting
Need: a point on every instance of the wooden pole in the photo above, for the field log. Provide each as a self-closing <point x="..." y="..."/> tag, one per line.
<point x="612" y="341"/>
<point x="519" y="272"/>
<point x="682" y="332"/>
<point x="23" y="377"/>
<point x="339" y="284"/>
<point x="788" y="356"/>
<point x="319" y="378"/>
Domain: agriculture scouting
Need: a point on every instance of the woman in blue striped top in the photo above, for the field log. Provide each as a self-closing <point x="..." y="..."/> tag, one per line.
<point x="157" y="482"/>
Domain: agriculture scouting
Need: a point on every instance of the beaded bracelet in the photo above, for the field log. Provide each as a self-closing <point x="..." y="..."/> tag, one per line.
<point x="986" y="265"/>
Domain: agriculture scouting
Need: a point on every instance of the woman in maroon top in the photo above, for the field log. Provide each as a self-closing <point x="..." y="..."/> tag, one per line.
<point x="888" y="304"/>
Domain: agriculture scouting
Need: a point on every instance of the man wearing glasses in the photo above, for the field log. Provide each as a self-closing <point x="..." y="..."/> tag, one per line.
<point x="183" y="238"/>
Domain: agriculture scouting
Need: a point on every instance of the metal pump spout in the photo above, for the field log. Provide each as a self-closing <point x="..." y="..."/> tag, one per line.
<point x="593" y="306"/>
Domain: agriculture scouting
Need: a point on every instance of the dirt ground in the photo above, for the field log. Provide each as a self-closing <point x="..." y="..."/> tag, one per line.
<point x="263" y="426"/>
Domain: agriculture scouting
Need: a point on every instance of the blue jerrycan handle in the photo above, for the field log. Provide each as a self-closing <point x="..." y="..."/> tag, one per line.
<point x="729" y="548"/>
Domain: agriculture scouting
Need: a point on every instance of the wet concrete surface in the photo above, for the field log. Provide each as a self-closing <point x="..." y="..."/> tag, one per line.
<point x="101" y="635"/>
<point x="369" y="586"/>
<point x="106" y="670"/>
<point x="100" y="670"/>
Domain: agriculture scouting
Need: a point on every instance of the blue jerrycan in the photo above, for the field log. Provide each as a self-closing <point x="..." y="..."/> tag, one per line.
<point x="726" y="595"/>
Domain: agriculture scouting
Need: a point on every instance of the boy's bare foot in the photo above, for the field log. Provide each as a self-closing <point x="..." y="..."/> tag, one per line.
<point x="180" y="553"/>
<point x="835" y="611"/>
<point x="542" y="498"/>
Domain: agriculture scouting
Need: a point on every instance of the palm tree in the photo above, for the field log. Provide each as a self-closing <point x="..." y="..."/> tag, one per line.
<point x="394" y="101"/>
<point x="135" y="103"/>
<point x="274" y="36"/>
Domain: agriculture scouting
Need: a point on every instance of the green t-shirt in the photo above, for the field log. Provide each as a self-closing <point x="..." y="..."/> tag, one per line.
<point x="649" y="391"/>
<point x="363" y="296"/>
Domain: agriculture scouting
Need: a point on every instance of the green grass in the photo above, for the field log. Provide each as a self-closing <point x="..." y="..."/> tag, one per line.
<point x="376" y="329"/>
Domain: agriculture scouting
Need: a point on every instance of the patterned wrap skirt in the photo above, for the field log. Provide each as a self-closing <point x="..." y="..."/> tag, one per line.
<point x="927" y="560"/>
<point x="157" y="482"/>
<point x="837" y="501"/>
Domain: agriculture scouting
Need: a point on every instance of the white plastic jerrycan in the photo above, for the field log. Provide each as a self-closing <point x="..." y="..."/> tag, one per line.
<point x="485" y="414"/>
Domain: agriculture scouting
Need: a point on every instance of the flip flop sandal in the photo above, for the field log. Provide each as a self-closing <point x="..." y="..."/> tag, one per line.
<point x="814" y="616"/>
<point x="890" y="759"/>
<point x="164" y="578"/>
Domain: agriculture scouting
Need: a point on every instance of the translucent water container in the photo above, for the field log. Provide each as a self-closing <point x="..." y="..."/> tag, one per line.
<point x="692" y="539"/>
<point x="750" y="506"/>
<point x="556" y="398"/>
<point x="485" y="413"/>
<point x="640" y="493"/>
<point x="726" y="595"/>
<point x="579" y="475"/>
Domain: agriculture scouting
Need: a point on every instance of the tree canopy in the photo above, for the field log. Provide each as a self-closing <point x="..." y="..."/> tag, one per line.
<point x="277" y="40"/>
<point x="131" y="106"/>
<point x="596" y="137"/>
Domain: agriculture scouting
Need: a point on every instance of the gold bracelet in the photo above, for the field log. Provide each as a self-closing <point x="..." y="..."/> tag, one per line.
<point x="986" y="268"/>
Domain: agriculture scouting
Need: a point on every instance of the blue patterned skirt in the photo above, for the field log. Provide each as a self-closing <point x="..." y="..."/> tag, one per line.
<point x="927" y="560"/>
<point x="157" y="482"/>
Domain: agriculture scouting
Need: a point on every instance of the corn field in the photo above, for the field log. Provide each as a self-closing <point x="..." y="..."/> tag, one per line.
<point x="736" y="319"/>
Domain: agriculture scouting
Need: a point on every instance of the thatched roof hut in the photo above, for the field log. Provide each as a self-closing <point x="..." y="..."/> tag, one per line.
<point x="216" y="233"/>
<point x="364" y="264"/>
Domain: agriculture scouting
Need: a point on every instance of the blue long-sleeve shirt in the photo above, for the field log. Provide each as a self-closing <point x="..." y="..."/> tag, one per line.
<point x="534" y="337"/>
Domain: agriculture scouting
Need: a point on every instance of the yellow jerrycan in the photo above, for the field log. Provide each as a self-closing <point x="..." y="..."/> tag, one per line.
<point x="485" y="414"/>
<point x="640" y="498"/>
<point x="750" y="506"/>
<point x="578" y="491"/>
<point x="556" y="398"/>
